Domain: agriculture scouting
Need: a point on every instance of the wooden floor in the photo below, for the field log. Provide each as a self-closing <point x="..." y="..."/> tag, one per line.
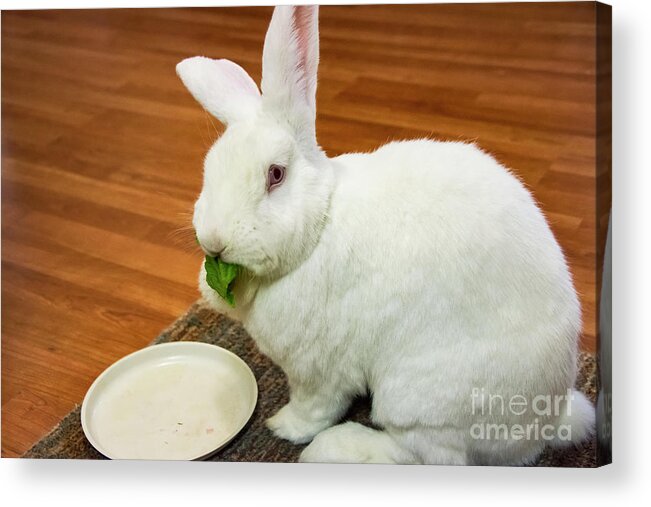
<point x="102" y="150"/>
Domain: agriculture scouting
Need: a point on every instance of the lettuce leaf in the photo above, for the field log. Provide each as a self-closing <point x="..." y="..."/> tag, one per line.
<point x="220" y="276"/>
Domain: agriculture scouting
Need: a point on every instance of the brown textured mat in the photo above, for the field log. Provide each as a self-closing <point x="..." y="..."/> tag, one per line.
<point x="256" y="442"/>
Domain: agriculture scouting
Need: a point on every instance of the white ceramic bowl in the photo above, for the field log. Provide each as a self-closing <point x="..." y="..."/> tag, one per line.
<point x="173" y="401"/>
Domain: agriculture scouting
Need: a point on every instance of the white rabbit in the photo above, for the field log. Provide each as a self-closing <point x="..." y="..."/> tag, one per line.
<point x="423" y="273"/>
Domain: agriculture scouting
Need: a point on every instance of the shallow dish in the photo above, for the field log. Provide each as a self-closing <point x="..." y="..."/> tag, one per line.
<point x="173" y="401"/>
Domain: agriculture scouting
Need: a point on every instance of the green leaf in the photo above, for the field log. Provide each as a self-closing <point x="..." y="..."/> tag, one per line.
<point x="220" y="276"/>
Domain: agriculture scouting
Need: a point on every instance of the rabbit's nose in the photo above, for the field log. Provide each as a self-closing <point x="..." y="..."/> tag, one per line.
<point x="210" y="253"/>
<point x="212" y="247"/>
<point x="213" y="253"/>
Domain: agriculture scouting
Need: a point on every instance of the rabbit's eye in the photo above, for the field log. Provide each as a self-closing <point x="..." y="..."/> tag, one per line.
<point x="275" y="176"/>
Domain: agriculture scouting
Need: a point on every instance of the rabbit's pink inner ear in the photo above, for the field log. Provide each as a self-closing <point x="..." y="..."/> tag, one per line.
<point x="290" y="59"/>
<point x="240" y="81"/>
<point x="305" y="21"/>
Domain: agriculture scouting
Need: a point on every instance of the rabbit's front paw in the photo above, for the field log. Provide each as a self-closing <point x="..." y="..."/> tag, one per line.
<point x="290" y="425"/>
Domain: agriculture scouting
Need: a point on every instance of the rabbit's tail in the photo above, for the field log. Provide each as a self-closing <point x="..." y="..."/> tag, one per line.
<point x="576" y="422"/>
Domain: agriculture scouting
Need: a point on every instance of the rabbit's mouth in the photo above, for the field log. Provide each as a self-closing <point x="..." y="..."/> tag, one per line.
<point x="225" y="255"/>
<point x="251" y="263"/>
<point x="258" y="264"/>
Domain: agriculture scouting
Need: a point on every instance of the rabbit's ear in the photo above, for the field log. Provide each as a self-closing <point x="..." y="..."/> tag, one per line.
<point x="289" y="62"/>
<point x="222" y="87"/>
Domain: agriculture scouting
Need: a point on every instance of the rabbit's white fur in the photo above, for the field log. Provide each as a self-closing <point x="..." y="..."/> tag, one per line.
<point x="417" y="273"/>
